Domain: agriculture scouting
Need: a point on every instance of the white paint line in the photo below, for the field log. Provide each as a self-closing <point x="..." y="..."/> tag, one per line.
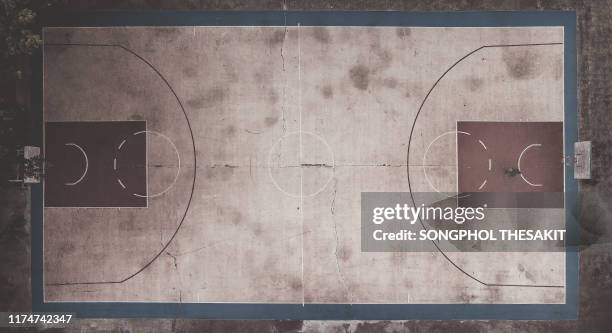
<point x="178" y="169"/>
<point x="483" y="184"/>
<point x="490" y="164"/>
<point x="121" y="144"/>
<point x="86" y="163"/>
<point x="425" y="160"/>
<point x="271" y="164"/>
<point x="482" y="143"/>
<point x="120" y="183"/>
<point x="519" y="163"/>
<point x="301" y="152"/>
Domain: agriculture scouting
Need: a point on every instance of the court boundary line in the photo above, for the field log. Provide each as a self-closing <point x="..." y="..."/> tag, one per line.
<point x="471" y="276"/>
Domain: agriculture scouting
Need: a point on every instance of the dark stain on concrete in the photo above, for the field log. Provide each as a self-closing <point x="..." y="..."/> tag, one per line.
<point x="385" y="57"/>
<point x="257" y="229"/>
<point x="392" y="114"/>
<point x="474" y="83"/>
<point x="136" y="116"/>
<point x="263" y="76"/>
<point x="270" y="121"/>
<point x="236" y="217"/>
<point x="345" y="253"/>
<point x="521" y="63"/>
<point x="558" y="68"/>
<point x="230" y="130"/>
<point x="295" y="284"/>
<point x="68" y="35"/>
<point x="270" y="263"/>
<point x="501" y="277"/>
<point x="230" y="72"/>
<point x="67" y="248"/>
<point x="530" y="276"/>
<point x="190" y="72"/>
<point x="327" y="91"/>
<point x="290" y="250"/>
<point x="321" y="34"/>
<point x="403" y="32"/>
<point x="210" y="98"/>
<point x="415" y="90"/>
<point x="135" y="91"/>
<point x="465" y="297"/>
<point x="398" y="258"/>
<point x="494" y="294"/>
<point x="360" y="76"/>
<point x="390" y="83"/>
<point x="278" y="37"/>
<point x="219" y="172"/>
<point x="273" y="96"/>
<point x="128" y="224"/>
<point x="100" y="256"/>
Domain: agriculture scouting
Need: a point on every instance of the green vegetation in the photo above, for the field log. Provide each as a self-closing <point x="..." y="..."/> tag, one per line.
<point x="19" y="33"/>
<point x="20" y="37"/>
<point x="12" y="139"/>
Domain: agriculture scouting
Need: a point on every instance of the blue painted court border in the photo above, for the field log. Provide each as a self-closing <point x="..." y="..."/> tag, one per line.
<point x="567" y="311"/>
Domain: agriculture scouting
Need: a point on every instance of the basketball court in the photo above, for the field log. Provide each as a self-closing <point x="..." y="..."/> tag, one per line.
<point x="223" y="165"/>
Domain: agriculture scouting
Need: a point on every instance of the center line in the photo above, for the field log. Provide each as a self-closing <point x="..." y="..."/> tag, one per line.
<point x="300" y="158"/>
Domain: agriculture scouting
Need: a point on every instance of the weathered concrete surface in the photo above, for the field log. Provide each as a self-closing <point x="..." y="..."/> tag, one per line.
<point x="595" y="29"/>
<point x="284" y="151"/>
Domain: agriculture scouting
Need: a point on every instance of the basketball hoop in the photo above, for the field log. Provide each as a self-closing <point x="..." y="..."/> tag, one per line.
<point x="582" y="160"/>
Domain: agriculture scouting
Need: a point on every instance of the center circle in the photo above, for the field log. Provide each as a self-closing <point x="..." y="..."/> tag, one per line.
<point x="301" y="164"/>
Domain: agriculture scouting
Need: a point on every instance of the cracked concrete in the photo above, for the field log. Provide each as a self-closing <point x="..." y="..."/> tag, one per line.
<point x="332" y="210"/>
<point x="300" y="166"/>
<point x="596" y="297"/>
